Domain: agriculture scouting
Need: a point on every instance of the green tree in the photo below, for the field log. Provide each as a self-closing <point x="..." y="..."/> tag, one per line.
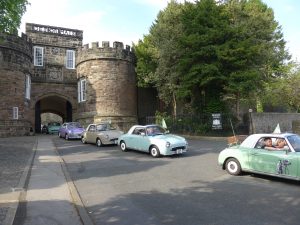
<point x="158" y="54"/>
<point x="208" y="52"/>
<point x="11" y="12"/>
<point x="255" y="50"/>
<point x="147" y="55"/>
<point x="284" y="91"/>
<point x="205" y="29"/>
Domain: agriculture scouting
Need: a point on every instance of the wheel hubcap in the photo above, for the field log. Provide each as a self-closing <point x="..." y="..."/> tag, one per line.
<point x="232" y="167"/>
<point x="154" y="152"/>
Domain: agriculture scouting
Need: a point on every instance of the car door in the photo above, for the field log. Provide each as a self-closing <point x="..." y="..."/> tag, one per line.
<point x="137" y="140"/>
<point x="276" y="162"/>
<point x="142" y="142"/>
<point x="90" y="134"/>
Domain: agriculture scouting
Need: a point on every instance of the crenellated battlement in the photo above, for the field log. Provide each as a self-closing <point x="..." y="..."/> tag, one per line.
<point x="94" y="51"/>
<point x="15" y="43"/>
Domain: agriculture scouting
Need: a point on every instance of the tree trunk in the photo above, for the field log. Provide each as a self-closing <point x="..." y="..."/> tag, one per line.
<point x="174" y="106"/>
<point x="238" y="106"/>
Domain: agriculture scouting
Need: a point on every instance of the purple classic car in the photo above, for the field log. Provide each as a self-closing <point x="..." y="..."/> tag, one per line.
<point x="71" y="130"/>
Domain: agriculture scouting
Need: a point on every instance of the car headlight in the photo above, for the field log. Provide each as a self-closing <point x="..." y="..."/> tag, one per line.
<point x="168" y="144"/>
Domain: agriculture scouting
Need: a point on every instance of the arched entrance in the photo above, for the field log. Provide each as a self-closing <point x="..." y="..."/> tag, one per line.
<point x="52" y="104"/>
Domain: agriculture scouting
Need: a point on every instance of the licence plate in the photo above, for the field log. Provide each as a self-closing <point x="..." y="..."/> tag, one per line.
<point x="179" y="151"/>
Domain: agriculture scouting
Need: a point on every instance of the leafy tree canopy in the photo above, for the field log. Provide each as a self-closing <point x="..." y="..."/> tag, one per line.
<point x="11" y="12"/>
<point x="212" y="51"/>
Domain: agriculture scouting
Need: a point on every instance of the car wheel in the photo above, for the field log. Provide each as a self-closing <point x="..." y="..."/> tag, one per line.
<point x="66" y="136"/>
<point x="123" y="146"/>
<point x="233" y="167"/>
<point x="59" y="135"/>
<point x="83" y="140"/>
<point x="154" y="151"/>
<point x="98" y="142"/>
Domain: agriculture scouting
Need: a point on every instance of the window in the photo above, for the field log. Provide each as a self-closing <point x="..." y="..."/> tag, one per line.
<point x="15" y="113"/>
<point x="38" y="55"/>
<point x="92" y="128"/>
<point x="81" y="90"/>
<point x="70" y="59"/>
<point x="27" y="87"/>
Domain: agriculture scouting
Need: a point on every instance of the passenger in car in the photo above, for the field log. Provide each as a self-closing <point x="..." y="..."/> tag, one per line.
<point x="268" y="144"/>
<point x="281" y="144"/>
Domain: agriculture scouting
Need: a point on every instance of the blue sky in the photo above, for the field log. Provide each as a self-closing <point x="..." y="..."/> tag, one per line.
<point x="128" y="20"/>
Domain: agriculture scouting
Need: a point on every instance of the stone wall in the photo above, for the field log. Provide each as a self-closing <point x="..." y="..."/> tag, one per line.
<point x="109" y="72"/>
<point x="15" y="64"/>
<point x="266" y="122"/>
<point x="55" y="42"/>
<point x="111" y="85"/>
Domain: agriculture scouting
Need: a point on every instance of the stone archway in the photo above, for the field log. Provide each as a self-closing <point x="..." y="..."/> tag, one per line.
<point x="52" y="104"/>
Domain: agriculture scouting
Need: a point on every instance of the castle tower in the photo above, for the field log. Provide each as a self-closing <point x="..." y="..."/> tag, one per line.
<point x="15" y="84"/>
<point x="106" y="85"/>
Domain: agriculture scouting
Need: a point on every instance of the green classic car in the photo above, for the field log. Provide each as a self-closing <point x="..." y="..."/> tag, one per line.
<point x="53" y="127"/>
<point x="253" y="155"/>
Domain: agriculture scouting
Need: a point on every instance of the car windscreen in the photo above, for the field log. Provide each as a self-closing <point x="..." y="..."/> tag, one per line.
<point x="102" y="127"/>
<point x="74" y="125"/>
<point x="155" y="130"/>
<point x="294" y="140"/>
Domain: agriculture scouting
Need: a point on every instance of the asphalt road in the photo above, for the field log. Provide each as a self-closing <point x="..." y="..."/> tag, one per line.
<point x="132" y="188"/>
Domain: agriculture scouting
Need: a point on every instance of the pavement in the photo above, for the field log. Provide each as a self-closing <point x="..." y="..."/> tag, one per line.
<point x="35" y="186"/>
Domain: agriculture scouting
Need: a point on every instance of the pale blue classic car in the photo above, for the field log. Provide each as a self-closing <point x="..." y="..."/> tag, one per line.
<point x="152" y="139"/>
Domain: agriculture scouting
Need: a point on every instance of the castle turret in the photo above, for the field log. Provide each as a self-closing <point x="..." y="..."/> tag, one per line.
<point x="107" y="84"/>
<point x="15" y="84"/>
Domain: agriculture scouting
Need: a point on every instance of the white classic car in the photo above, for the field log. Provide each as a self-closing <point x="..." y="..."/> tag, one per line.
<point x="100" y="134"/>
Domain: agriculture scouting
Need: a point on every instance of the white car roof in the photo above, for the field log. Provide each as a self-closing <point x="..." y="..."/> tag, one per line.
<point x="140" y="126"/>
<point x="252" y="139"/>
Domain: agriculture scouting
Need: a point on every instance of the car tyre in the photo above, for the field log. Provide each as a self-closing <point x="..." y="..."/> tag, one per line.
<point x="59" y="135"/>
<point x="83" y="140"/>
<point x="98" y="142"/>
<point x="154" y="151"/>
<point x="66" y="136"/>
<point x="123" y="146"/>
<point x="233" y="167"/>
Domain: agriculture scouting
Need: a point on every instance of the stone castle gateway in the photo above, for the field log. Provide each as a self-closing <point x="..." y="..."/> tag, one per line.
<point x="48" y="70"/>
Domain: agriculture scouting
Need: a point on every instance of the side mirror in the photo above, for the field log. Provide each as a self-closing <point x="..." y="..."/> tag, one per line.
<point x="143" y="133"/>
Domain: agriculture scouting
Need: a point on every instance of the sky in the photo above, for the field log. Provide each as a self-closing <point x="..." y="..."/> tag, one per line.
<point x="128" y="21"/>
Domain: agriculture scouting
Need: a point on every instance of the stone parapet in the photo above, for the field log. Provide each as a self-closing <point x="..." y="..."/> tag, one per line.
<point x="93" y="52"/>
<point x="54" y="36"/>
<point x="15" y="52"/>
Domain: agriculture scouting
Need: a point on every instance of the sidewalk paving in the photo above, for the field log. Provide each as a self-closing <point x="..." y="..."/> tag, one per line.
<point x="15" y="156"/>
<point x="50" y="196"/>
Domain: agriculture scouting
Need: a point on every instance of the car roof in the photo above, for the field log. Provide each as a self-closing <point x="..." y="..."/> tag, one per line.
<point x="141" y="126"/>
<point x="251" y="140"/>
